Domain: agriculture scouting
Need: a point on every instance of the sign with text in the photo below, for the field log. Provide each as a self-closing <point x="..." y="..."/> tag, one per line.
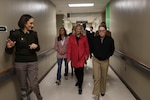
<point x="3" y="28"/>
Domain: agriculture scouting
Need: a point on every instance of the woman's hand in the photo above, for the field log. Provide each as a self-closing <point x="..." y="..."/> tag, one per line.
<point x="33" y="46"/>
<point x="86" y="58"/>
<point x="10" y="43"/>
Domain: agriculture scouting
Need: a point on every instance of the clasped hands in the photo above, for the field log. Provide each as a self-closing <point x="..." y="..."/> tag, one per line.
<point x="10" y="44"/>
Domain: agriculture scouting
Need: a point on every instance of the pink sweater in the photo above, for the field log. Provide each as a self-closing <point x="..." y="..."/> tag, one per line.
<point x="61" y="48"/>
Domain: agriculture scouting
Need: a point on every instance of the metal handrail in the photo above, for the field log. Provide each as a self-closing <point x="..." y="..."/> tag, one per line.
<point x="10" y="68"/>
<point x="138" y="64"/>
<point x="6" y="70"/>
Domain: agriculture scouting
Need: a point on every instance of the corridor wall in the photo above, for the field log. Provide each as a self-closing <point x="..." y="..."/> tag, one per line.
<point x="129" y="24"/>
<point x="44" y="13"/>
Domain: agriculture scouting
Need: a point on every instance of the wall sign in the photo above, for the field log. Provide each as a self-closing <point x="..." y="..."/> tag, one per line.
<point x="3" y="28"/>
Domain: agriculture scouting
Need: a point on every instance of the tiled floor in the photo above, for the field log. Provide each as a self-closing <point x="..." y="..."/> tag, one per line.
<point x="67" y="90"/>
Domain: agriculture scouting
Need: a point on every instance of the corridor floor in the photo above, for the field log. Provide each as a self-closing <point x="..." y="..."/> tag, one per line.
<point x="116" y="90"/>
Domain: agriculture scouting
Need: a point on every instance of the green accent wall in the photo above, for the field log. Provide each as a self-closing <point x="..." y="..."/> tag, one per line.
<point x="108" y="15"/>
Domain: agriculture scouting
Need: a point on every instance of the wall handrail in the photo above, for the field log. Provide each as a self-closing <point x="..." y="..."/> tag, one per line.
<point x="138" y="64"/>
<point x="6" y="70"/>
<point x="11" y="68"/>
<point x="45" y="51"/>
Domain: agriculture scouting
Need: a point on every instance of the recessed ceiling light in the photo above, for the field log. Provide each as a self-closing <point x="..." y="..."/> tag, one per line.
<point x="81" y="5"/>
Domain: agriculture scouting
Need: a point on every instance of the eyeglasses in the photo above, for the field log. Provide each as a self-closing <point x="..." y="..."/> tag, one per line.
<point x="102" y="30"/>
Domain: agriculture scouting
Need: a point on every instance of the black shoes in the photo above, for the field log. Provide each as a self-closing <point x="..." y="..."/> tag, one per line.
<point x="58" y="82"/>
<point x="80" y="91"/>
<point x="102" y="94"/>
<point x="66" y="77"/>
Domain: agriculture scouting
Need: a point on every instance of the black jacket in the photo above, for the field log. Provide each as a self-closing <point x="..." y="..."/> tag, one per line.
<point x="90" y="37"/>
<point x="23" y="53"/>
<point x="104" y="50"/>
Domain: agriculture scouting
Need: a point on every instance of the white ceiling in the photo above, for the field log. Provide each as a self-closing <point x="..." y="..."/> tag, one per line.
<point x="63" y="8"/>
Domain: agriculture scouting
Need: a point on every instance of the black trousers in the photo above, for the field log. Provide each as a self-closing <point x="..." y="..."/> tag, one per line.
<point x="79" y="72"/>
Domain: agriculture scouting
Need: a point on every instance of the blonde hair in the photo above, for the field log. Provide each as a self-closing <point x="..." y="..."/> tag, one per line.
<point x="81" y="27"/>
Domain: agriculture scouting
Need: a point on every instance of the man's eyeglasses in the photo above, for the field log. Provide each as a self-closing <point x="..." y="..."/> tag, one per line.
<point x="102" y="30"/>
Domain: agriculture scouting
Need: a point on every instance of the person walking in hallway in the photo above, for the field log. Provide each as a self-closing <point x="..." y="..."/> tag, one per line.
<point x="90" y="36"/>
<point x="108" y="33"/>
<point x="78" y="53"/>
<point x="102" y="49"/>
<point x="61" y="43"/>
<point x="25" y="42"/>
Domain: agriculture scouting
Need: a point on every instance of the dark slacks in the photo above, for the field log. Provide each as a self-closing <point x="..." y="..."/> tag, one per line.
<point x="79" y="72"/>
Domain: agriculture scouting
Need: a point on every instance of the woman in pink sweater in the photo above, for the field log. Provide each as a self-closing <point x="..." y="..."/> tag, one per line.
<point x="61" y="43"/>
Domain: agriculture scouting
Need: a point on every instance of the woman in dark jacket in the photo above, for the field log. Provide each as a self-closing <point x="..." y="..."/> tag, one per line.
<point x="102" y="49"/>
<point x="25" y="42"/>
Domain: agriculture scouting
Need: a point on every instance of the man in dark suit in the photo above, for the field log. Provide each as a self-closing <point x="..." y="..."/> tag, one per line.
<point x="90" y="36"/>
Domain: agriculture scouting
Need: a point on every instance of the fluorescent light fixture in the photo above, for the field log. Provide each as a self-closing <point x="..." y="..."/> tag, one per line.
<point x="81" y="5"/>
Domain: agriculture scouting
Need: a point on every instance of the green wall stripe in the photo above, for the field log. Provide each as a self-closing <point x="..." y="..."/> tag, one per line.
<point x="108" y="15"/>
